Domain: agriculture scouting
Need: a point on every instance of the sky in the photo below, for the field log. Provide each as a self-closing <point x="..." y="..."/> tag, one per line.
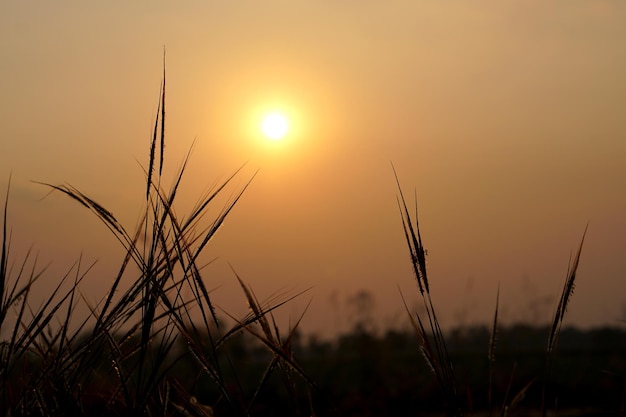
<point x="505" y="118"/>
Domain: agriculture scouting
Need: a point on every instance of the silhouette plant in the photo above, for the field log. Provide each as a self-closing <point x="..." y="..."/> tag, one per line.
<point x="431" y="337"/>
<point x="124" y="364"/>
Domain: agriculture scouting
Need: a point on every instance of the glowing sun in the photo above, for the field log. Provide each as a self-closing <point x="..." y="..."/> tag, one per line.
<point x="275" y="126"/>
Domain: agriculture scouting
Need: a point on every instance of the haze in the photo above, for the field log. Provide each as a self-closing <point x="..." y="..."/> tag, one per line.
<point x="506" y="118"/>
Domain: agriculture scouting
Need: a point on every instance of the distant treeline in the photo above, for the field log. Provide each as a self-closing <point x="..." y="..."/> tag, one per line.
<point x="366" y="374"/>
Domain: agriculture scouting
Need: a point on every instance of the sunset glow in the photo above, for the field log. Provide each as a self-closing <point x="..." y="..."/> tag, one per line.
<point x="504" y="118"/>
<point x="275" y="126"/>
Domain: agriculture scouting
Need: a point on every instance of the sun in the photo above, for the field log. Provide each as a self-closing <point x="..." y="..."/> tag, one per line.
<point x="275" y="126"/>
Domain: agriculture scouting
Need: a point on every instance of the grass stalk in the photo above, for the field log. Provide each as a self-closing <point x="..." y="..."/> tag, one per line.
<point x="491" y="355"/>
<point x="559" y="315"/>
<point x="432" y="342"/>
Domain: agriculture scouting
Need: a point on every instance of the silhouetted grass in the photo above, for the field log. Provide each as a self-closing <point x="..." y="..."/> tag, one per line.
<point x="121" y="359"/>
<point x="156" y="346"/>
<point x="432" y="341"/>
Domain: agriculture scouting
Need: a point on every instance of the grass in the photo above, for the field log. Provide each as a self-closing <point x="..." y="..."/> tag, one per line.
<point x="431" y="338"/>
<point x="120" y="359"/>
<point x="158" y="346"/>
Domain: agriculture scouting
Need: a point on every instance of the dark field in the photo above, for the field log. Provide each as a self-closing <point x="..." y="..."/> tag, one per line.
<point x="357" y="374"/>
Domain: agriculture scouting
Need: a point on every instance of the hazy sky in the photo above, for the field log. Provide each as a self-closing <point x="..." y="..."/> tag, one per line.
<point x="507" y="118"/>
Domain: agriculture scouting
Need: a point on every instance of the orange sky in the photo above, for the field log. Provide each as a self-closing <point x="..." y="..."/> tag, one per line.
<point x="506" y="117"/>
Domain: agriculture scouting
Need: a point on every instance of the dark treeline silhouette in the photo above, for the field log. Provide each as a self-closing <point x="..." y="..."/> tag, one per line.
<point x="367" y="373"/>
<point x="362" y="373"/>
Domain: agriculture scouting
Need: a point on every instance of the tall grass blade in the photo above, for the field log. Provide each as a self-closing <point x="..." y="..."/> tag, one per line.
<point x="435" y="351"/>
<point x="413" y="239"/>
<point x="3" y="256"/>
<point x="559" y="314"/>
<point x="491" y="355"/>
<point x="506" y="409"/>
<point x="162" y="148"/>
<point x="152" y="155"/>
<point x="568" y="290"/>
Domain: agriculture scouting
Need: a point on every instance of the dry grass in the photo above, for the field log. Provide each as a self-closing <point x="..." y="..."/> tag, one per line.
<point x="559" y="314"/>
<point x="432" y="341"/>
<point x="119" y="360"/>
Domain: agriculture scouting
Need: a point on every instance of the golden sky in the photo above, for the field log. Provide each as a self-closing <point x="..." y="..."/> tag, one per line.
<point x="507" y="118"/>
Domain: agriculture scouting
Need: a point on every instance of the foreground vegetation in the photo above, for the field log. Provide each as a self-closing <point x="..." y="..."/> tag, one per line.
<point x="154" y="345"/>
